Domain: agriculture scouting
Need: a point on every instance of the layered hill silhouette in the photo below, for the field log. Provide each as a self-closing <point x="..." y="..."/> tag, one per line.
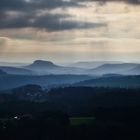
<point x="48" y="67"/>
<point x="124" y="68"/>
<point x="92" y="64"/>
<point x="12" y="64"/>
<point x="134" y="71"/>
<point x="2" y="72"/>
<point x="112" y="81"/>
<point x="46" y="81"/>
<point x="16" y="71"/>
<point x="41" y="67"/>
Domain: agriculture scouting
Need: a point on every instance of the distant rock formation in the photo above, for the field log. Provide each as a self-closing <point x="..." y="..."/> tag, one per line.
<point x="40" y="64"/>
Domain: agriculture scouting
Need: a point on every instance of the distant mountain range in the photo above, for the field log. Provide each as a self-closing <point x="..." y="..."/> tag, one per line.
<point x="134" y="71"/>
<point x="40" y="67"/>
<point x="49" y="75"/>
<point x="125" y="68"/>
<point x="12" y="64"/>
<point x="47" y="67"/>
<point x="92" y="64"/>
<point x="16" y="71"/>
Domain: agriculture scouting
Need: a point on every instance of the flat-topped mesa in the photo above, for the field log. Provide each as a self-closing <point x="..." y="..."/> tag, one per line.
<point x="42" y="64"/>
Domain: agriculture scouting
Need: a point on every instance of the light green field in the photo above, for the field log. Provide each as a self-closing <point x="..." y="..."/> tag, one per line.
<point x="82" y="120"/>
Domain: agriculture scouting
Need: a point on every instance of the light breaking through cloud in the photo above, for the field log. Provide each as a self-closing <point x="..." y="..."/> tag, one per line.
<point x="59" y="29"/>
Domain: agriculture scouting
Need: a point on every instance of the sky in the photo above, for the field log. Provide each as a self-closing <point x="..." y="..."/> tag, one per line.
<point x="69" y="30"/>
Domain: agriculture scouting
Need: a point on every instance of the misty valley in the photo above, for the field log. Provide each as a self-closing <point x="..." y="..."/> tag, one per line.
<point x="46" y="101"/>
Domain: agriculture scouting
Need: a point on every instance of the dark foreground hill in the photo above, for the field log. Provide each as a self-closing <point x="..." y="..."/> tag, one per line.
<point x="85" y="99"/>
<point x="76" y="101"/>
<point x="109" y="113"/>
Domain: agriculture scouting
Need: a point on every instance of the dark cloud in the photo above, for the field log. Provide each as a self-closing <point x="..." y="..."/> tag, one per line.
<point x="29" y="10"/>
<point x="59" y="22"/>
<point x="50" y="22"/>
<point x="19" y="21"/>
<point x="104" y="1"/>
<point x="134" y="1"/>
<point x="21" y="5"/>
<point x="13" y="5"/>
<point x="50" y="4"/>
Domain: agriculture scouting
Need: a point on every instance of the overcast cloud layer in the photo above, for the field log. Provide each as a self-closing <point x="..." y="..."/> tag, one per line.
<point x="69" y="30"/>
<point x="21" y="13"/>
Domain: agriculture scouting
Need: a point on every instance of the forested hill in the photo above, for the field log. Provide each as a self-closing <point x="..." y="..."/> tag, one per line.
<point x="73" y="100"/>
<point x="112" y="81"/>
